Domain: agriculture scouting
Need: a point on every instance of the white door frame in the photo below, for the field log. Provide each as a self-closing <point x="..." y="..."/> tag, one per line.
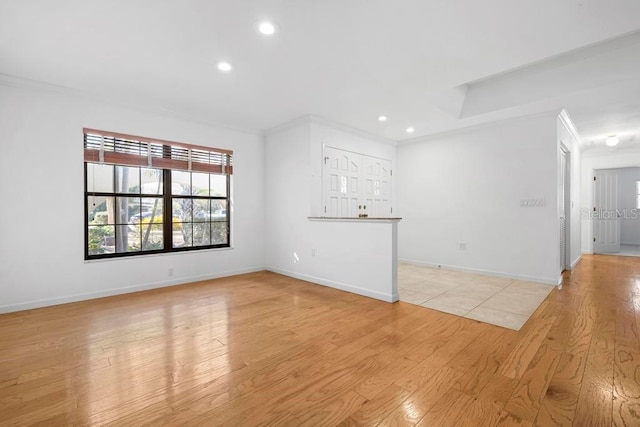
<point x="565" y="214"/>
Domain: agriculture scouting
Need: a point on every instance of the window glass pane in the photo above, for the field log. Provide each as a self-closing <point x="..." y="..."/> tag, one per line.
<point x="201" y="210"/>
<point x="180" y="183"/>
<point x="99" y="178"/>
<point x="219" y="234"/>
<point x="182" y="217"/>
<point x="152" y="237"/>
<point x="150" y="221"/>
<point x="182" y="234"/>
<point x="183" y="209"/>
<point x="219" y="210"/>
<point x="127" y="179"/>
<point x="152" y="206"/>
<point x="202" y="233"/>
<point x="128" y="210"/>
<point x="151" y="181"/>
<point x="101" y="239"/>
<point x="200" y="184"/>
<point x="218" y="185"/>
<point x="127" y="238"/>
<point x="100" y="210"/>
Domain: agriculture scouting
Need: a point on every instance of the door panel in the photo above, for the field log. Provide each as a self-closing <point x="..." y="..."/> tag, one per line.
<point x="341" y="182"/>
<point x="377" y="186"/>
<point x="606" y="223"/>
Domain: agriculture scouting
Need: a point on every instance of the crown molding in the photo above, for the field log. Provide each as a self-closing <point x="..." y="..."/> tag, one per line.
<point x="353" y="131"/>
<point x="28" y="84"/>
<point x="299" y="121"/>
<point x="565" y="119"/>
<point x="477" y="126"/>
<point x="310" y="119"/>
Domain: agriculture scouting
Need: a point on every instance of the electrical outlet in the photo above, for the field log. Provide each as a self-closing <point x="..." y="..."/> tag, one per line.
<point x="170" y="272"/>
<point x="463" y="246"/>
<point x="313" y="252"/>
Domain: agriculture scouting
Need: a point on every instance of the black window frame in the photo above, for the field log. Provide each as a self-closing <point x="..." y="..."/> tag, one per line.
<point x="168" y="199"/>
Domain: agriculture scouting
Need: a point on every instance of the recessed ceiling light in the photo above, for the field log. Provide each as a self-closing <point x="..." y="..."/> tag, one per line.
<point x="612" y="141"/>
<point x="224" y="66"/>
<point x="382" y="118"/>
<point x="410" y="130"/>
<point x="267" y="28"/>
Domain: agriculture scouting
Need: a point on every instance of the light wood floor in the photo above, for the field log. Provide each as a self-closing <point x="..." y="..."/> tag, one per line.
<point x="266" y="349"/>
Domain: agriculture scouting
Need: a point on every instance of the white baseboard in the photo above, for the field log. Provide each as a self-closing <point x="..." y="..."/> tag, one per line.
<point x="119" y="291"/>
<point x="576" y="262"/>
<point x="338" y="285"/>
<point x="543" y="280"/>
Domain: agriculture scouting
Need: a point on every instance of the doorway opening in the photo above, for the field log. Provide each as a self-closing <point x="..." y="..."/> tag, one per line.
<point x="616" y="209"/>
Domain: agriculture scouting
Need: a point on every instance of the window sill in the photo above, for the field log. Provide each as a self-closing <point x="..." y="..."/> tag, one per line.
<point x="163" y="254"/>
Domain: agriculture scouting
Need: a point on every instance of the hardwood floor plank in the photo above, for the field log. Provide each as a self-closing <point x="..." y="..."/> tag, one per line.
<point x="480" y="413"/>
<point x="527" y="397"/>
<point x="626" y="384"/>
<point x="561" y="399"/>
<point x="373" y="411"/>
<point x="431" y="389"/>
<point x="448" y="410"/>
<point x="509" y="420"/>
<point x="526" y="348"/>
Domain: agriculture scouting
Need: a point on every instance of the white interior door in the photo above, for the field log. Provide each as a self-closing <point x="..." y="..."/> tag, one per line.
<point x="377" y="186"/>
<point x="341" y="182"/>
<point x="606" y="223"/>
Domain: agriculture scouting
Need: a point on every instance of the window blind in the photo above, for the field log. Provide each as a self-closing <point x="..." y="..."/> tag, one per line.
<point x="130" y="150"/>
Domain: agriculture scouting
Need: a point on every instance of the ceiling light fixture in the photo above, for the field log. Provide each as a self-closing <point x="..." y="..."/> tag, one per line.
<point x="224" y="66"/>
<point x="410" y="130"/>
<point x="267" y="28"/>
<point x="382" y="118"/>
<point x="612" y="141"/>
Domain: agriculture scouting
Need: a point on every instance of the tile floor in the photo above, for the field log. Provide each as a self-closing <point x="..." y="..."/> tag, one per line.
<point x="503" y="302"/>
<point x="629" y="250"/>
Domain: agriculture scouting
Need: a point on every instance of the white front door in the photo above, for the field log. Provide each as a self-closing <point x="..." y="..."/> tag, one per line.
<point x="341" y="182"/>
<point x="606" y="223"/>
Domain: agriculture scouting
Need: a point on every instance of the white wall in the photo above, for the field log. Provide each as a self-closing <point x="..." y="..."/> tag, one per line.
<point x="42" y="215"/>
<point x="630" y="221"/>
<point x="609" y="160"/>
<point x="567" y="136"/>
<point x="293" y="184"/>
<point x="466" y="187"/>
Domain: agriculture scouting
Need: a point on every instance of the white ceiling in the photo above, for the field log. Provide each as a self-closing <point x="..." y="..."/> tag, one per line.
<point x="434" y="65"/>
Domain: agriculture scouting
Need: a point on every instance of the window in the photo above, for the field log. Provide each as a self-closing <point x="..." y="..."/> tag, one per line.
<point x="150" y="196"/>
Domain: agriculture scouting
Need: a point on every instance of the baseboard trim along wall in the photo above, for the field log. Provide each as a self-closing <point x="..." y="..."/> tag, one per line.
<point x="574" y="263"/>
<point x="337" y="285"/>
<point x="545" y="281"/>
<point x="120" y="291"/>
